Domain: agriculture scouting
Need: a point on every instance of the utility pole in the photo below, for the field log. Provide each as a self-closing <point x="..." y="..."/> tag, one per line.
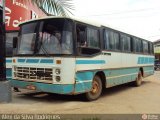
<point x="5" y="85"/>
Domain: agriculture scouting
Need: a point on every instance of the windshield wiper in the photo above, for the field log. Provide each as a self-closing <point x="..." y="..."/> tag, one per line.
<point x="43" y="49"/>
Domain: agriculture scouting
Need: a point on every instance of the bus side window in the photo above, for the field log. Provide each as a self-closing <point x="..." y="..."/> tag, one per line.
<point x="133" y="45"/>
<point x="145" y="47"/>
<point x="106" y="40"/>
<point x="152" y="48"/>
<point x="83" y="42"/>
<point x="81" y="36"/>
<point x="111" y="41"/>
<point x="93" y="38"/>
<point x="88" y="40"/>
<point x="138" y="45"/>
<point x="126" y="43"/>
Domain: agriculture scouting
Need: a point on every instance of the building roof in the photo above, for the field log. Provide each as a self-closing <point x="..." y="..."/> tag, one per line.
<point x="157" y="41"/>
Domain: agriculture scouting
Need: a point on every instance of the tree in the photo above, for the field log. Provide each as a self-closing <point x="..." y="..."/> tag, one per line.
<point x="54" y="7"/>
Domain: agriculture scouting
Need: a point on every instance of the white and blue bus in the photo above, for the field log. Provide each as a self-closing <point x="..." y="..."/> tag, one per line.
<point x="71" y="56"/>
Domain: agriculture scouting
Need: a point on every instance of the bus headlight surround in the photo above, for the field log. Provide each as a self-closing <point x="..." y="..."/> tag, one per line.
<point x="58" y="78"/>
<point x="14" y="68"/>
<point x="15" y="75"/>
<point x="57" y="71"/>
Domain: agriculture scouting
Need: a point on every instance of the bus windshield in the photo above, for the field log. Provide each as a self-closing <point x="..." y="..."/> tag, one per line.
<point x="50" y="36"/>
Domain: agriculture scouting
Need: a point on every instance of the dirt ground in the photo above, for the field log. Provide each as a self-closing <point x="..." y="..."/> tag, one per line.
<point x="120" y="99"/>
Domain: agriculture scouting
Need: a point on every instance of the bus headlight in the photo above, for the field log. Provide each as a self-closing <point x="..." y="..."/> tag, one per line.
<point x="58" y="71"/>
<point x="58" y="78"/>
<point x="15" y="75"/>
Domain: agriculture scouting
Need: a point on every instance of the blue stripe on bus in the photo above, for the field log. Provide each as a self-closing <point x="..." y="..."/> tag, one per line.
<point x="32" y="61"/>
<point x="21" y="60"/>
<point x="145" y="60"/>
<point x="46" y="61"/>
<point x="83" y="87"/>
<point x="52" y="88"/>
<point x="35" y="60"/>
<point x="8" y="61"/>
<point x="81" y="76"/>
<point x="8" y="72"/>
<point x="90" y="62"/>
<point x="115" y="76"/>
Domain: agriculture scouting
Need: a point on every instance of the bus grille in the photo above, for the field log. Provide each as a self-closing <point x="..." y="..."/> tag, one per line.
<point x="33" y="74"/>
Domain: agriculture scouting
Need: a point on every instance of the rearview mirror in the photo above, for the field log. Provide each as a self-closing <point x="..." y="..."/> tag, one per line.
<point x="15" y="40"/>
<point x="82" y="37"/>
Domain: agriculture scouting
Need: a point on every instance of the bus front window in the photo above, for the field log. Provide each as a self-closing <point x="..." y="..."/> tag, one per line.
<point x="50" y="36"/>
<point x="27" y="38"/>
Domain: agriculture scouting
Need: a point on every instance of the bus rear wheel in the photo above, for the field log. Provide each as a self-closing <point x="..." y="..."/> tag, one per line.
<point x="96" y="89"/>
<point x="138" y="81"/>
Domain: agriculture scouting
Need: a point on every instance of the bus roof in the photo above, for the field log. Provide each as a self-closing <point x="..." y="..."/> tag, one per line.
<point x="86" y="21"/>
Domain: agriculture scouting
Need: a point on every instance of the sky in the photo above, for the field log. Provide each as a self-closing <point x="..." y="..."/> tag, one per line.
<point x="138" y="17"/>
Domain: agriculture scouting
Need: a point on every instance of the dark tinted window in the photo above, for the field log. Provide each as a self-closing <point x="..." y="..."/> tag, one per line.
<point x="9" y="43"/>
<point x="117" y="41"/>
<point x="126" y="43"/>
<point x="151" y="51"/>
<point x="87" y="39"/>
<point x="145" y="46"/>
<point x="138" y="45"/>
<point x="111" y="40"/>
<point x="92" y="38"/>
<point x="106" y="40"/>
<point x="29" y="28"/>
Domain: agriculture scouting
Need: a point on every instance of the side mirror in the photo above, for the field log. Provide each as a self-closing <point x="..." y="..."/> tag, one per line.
<point x="15" y="41"/>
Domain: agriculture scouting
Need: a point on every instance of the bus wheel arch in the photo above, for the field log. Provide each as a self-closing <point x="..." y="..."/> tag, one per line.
<point x="142" y="71"/>
<point x="102" y="76"/>
<point x="98" y="83"/>
<point x="139" y="78"/>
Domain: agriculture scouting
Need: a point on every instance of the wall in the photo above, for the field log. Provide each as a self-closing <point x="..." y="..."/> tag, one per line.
<point x="18" y="11"/>
<point x="1" y="2"/>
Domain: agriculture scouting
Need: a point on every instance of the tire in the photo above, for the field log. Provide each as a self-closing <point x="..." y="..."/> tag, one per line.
<point x="155" y="68"/>
<point x="96" y="90"/>
<point x="138" y="81"/>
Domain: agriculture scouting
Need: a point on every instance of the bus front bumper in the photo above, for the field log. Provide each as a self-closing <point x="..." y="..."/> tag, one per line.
<point x="44" y="87"/>
<point x="71" y="89"/>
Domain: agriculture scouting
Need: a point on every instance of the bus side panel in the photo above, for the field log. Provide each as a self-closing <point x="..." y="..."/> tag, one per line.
<point x="86" y="68"/>
<point x="9" y="68"/>
<point x="120" y="76"/>
<point x="124" y="67"/>
<point x="148" y="70"/>
<point x="83" y="81"/>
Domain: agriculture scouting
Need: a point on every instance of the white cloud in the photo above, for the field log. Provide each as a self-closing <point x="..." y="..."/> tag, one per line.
<point x="139" y="17"/>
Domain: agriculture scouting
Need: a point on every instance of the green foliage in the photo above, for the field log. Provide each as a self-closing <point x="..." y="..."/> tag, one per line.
<point x="54" y="7"/>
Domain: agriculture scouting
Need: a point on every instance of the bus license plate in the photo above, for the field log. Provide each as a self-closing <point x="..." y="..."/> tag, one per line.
<point x="31" y="87"/>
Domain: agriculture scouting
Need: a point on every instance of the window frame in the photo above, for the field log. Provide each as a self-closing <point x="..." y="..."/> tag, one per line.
<point x="143" y="44"/>
<point x="79" y="48"/>
<point x="109" y="31"/>
<point x="129" y="41"/>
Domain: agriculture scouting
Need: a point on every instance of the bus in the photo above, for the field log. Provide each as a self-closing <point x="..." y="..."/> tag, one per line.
<point x="73" y="56"/>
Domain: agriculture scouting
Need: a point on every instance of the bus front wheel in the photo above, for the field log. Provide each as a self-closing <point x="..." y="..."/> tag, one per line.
<point x="96" y="89"/>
